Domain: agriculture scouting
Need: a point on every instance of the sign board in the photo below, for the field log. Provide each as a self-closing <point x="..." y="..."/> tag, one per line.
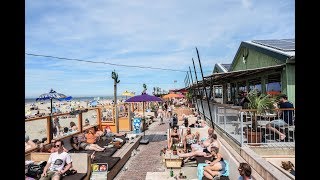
<point x="99" y="171"/>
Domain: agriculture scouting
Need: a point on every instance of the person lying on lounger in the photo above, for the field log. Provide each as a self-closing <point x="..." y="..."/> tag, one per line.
<point x="80" y="144"/>
<point x="217" y="167"/>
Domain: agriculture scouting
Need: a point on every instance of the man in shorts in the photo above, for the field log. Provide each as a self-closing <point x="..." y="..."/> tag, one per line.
<point x="58" y="163"/>
<point x="286" y="117"/>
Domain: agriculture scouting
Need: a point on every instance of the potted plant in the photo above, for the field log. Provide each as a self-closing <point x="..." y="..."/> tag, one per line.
<point x="259" y="104"/>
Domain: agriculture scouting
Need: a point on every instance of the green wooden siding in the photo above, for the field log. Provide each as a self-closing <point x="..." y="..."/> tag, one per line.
<point x="291" y="81"/>
<point x="254" y="60"/>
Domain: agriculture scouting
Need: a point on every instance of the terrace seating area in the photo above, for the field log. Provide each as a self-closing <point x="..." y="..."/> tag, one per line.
<point x="115" y="155"/>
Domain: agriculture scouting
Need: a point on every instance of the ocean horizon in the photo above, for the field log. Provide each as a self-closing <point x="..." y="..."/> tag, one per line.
<point x="84" y="98"/>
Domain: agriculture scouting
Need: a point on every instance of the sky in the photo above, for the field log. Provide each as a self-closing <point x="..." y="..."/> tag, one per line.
<point x="148" y="34"/>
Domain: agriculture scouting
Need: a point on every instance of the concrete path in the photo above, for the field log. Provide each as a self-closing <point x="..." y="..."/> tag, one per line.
<point x="147" y="157"/>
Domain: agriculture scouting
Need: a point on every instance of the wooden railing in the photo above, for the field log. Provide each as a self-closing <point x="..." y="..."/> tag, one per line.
<point x="79" y="122"/>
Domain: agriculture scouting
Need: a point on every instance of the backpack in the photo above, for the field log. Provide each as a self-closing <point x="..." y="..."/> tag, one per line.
<point x="35" y="170"/>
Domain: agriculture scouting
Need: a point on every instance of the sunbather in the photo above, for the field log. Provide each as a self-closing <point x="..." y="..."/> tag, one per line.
<point x="203" y="149"/>
<point x="58" y="163"/>
<point x="174" y="137"/>
<point x="28" y="143"/>
<point x="109" y="133"/>
<point x="217" y="167"/>
<point x="77" y="144"/>
<point x="190" y="139"/>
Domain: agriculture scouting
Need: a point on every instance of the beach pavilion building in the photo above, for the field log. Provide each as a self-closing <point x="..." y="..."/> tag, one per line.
<point x="265" y="65"/>
<point x="269" y="67"/>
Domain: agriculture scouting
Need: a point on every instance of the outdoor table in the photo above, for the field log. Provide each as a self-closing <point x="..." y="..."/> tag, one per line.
<point x="172" y="161"/>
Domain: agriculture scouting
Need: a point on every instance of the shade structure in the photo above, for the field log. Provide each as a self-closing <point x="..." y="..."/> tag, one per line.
<point x="144" y="97"/>
<point x="172" y="95"/>
<point x="52" y="95"/>
<point x="127" y="93"/>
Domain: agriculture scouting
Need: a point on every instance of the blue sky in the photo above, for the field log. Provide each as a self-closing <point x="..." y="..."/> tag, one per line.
<point x="160" y="34"/>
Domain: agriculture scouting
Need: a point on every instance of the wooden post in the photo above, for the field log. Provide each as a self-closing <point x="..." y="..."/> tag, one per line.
<point x="99" y="117"/>
<point x="129" y="116"/>
<point x="80" y="121"/>
<point x="49" y="129"/>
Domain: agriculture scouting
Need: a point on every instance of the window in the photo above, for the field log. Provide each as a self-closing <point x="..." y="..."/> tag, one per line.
<point x="255" y="84"/>
<point x="218" y="91"/>
<point x="274" y="84"/>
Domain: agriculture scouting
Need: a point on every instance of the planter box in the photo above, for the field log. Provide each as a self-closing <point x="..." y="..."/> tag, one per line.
<point x="173" y="163"/>
<point x="253" y="137"/>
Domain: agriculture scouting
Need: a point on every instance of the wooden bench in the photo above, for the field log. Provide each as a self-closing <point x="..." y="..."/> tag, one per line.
<point x="80" y="162"/>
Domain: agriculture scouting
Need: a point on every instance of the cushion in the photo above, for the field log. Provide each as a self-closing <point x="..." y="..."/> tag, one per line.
<point x="107" y="151"/>
<point x="76" y="176"/>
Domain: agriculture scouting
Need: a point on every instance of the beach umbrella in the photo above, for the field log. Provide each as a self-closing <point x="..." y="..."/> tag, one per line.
<point x="127" y="93"/>
<point x="50" y="96"/>
<point x="172" y="95"/>
<point x="144" y="97"/>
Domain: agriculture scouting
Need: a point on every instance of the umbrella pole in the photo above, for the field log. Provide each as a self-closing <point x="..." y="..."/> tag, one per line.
<point x="144" y="121"/>
<point x="50" y="130"/>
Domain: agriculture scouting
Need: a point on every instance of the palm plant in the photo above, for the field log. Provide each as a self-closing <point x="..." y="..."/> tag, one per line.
<point x="260" y="104"/>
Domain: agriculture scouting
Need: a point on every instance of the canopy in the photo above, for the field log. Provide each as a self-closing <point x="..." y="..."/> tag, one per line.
<point x="172" y="95"/>
<point x="127" y="93"/>
<point x="52" y="95"/>
<point x="143" y="98"/>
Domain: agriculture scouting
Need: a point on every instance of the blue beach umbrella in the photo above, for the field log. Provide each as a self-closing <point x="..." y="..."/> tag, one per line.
<point x="52" y="95"/>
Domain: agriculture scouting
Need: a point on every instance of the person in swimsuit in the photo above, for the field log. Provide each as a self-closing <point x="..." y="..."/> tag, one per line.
<point x="205" y="152"/>
<point x="174" y="137"/>
<point x="217" y="167"/>
<point x="190" y="139"/>
<point x="76" y="144"/>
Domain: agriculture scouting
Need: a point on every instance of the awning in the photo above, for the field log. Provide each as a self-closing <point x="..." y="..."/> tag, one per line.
<point x="220" y="78"/>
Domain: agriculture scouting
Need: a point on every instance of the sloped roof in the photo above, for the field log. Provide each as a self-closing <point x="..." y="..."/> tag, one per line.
<point x="226" y="66"/>
<point x="281" y="49"/>
<point x="281" y="46"/>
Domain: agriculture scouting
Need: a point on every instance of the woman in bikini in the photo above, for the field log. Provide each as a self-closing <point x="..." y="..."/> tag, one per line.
<point x="174" y="137"/>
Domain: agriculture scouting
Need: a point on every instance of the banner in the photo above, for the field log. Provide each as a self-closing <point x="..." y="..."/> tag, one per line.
<point x="136" y="125"/>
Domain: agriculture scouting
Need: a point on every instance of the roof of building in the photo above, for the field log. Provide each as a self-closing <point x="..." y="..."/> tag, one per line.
<point x="281" y="49"/>
<point x="226" y="66"/>
<point x="221" y="67"/>
<point x="281" y="46"/>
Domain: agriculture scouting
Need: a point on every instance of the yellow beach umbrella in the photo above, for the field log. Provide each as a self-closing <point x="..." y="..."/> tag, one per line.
<point x="127" y="93"/>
